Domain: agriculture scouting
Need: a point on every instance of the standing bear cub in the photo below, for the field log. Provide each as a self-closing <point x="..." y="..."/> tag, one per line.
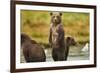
<point x="56" y="37"/>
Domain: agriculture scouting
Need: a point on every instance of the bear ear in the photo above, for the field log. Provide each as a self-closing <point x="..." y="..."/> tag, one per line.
<point x="51" y="13"/>
<point x="68" y="38"/>
<point x="60" y="14"/>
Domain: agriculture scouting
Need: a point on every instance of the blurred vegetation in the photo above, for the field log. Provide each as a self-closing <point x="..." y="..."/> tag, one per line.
<point x="37" y="23"/>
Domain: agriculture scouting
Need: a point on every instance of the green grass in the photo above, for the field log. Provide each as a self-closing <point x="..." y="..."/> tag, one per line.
<point x="37" y="23"/>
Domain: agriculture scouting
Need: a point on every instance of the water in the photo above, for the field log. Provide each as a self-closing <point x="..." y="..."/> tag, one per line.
<point x="71" y="57"/>
<point x="75" y="53"/>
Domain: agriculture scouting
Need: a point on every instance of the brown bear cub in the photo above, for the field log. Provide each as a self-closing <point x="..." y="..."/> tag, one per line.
<point x="32" y="51"/>
<point x="70" y="41"/>
<point x="56" y="37"/>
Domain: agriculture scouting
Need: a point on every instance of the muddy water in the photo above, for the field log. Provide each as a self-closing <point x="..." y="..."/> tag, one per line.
<point x="75" y="53"/>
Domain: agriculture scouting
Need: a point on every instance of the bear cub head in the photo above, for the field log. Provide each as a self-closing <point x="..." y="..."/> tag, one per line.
<point x="56" y="17"/>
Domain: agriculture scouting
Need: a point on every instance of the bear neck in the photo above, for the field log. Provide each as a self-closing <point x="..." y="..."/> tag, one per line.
<point x="56" y="24"/>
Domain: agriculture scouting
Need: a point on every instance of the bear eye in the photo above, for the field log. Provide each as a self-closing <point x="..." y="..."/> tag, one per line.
<point x="54" y="16"/>
<point x="57" y="16"/>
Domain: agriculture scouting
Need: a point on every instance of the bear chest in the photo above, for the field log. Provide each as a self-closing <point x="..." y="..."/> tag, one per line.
<point x="55" y="34"/>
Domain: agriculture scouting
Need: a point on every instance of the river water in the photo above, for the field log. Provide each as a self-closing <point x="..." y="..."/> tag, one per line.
<point x="72" y="56"/>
